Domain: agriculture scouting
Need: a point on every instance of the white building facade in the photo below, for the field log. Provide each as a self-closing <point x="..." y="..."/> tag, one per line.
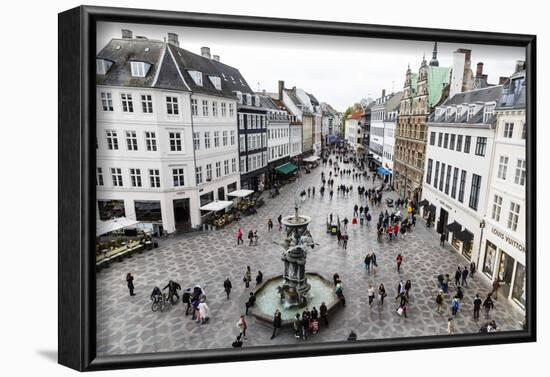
<point x="503" y="246"/>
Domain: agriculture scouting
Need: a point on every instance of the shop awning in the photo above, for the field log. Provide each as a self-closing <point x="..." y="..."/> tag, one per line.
<point x="465" y="235"/>
<point x="454" y="227"/>
<point x="108" y="226"/>
<point x="383" y="171"/>
<point x="311" y="159"/>
<point x="287" y="168"/>
<point x="431" y="208"/>
<point x="423" y="203"/>
<point x="216" y="205"/>
<point x="240" y="193"/>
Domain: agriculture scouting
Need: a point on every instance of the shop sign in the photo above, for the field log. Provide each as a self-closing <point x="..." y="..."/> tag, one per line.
<point x="508" y="239"/>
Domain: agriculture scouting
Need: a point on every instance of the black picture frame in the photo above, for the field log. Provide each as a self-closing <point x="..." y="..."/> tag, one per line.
<point x="76" y="163"/>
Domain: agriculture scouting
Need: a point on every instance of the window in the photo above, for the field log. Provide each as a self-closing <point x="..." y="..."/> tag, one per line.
<point x="216" y="139"/>
<point x="481" y="145"/>
<point x="224" y="109"/>
<point x="232" y="137"/>
<point x="242" y="143"/>
<point x="206" y="139"/>
<point x="467" y="142"/>
<point x="127" y="103"/>
<point x="488" y="112"/>
<point x="471" y="110"/>
<point x="179" y="177"/>
<point x="208" y="172"/>
<point x="107" y="101"/>
<point x="196" y="76"/>
<point x="508" y="130"/>
<point x="194" y="107"/>
<point x="474" y="191"/>
<point x="455" y="179"/>
<point x="175" y="141"/>
<point x="154" y="177"/>
<point x="146" y="103"/>
<point x="446" y="141"/>
<point x="497" y="206"/>
<point x="102" y="66"/>
<point x="224" y="138"/>
<point x="436" y="176"/>
<point x="439" y="139"/>
<point x="196" y="140"/>
<point x="112" y="140"/>
<point x="429" y="171"/>
<point x="131" y="140"/>
<point x="442" y="177"/>
<point x="233" y="165"/>
<point x="520" y="172"/>
<point x="99" y="177"/>
<point x="172" y="105"/>
<point x="139" y="69"/>
<point x="502" y="167"/>
<point x="135" y="177"/>
<point x="231" y="109"/>
<point x="198" y="174"/>
<point x="214" y="108"/>
<point x="524" y="131"/>
<point x="116" y="174"/>
<point x="462" y="185"/>
<point x="150" y="141"/>
<point x="204" y="107"/>
<point x="452" y="142"/>
<point x="226" y="167"/>
<point x="216" y="81"/>
<point x="459" y="143"/>
<point x="513" y="216"/>
<point x="241" y="121"/>
<point x="448" y="179"/>
<point x="218" y="169"/>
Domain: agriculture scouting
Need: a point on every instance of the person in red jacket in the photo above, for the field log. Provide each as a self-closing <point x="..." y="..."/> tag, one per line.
<point x="396" y="229"/>
<point x="390" y="231"/>
<point x="399" y="259"/>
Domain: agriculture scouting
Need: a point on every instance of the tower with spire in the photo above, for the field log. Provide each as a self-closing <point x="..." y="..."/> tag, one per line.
<point x="434" y="61"/>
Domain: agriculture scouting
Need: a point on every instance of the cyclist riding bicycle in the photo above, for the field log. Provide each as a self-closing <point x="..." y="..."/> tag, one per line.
<point x="156" y="294"/>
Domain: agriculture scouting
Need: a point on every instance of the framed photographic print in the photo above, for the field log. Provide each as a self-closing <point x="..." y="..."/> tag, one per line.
<point x="239" y="188"/>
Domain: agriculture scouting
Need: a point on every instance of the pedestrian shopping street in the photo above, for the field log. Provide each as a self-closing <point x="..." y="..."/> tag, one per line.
<point x="127" y="325"/>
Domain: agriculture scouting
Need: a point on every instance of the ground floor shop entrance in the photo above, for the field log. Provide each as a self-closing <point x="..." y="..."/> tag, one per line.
<point x="182" y="215"/>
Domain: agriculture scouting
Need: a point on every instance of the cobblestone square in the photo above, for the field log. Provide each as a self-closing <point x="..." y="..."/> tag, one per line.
<point x="127" y="325"/>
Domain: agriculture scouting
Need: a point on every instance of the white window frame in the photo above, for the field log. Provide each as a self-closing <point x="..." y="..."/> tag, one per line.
<point x="513" y="216"/>
<point x="150" y="141"/>
<point x="206" y="139"/>
<point x="135" y="177"/>
<point x="131" y="140"/>
<point x="175" y="138"/>
<point x="172" y="106"/>
<point x="497" y="207"/>
<point x="127" y="102"/>
<point x="147" y="103"/>
<point x="154" y="178"/>
<point x="112" y="140"/>
<point x="178" y="177"/>
<point x="139" y="69"/>
<point x="107" y="101"/>
<point x="502" y="167"/>
<point x="196" y="76"/>
<point x="520" y="175"/>
<point x="116" y="175"/>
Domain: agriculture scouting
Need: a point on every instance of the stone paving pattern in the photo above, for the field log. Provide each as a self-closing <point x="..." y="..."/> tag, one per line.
<point x="126" y="325"/>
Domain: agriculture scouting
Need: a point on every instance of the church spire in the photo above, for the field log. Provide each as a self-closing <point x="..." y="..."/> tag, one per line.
<point x="434" y="61"/>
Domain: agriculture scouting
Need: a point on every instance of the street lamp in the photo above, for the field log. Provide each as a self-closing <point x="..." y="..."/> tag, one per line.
<point x="481" y="226"/>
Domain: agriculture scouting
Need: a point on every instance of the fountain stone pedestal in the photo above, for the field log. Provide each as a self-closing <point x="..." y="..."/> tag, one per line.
<point x="298" y="238"/>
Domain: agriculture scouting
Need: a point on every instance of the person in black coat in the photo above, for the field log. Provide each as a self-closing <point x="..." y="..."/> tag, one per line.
<point x="259" y="278"/>
<point x="173" y="289"/>
<point x="323" y="312"/>
<point x="442" y="240"/>
<point x="276" y="323"/>
<point x="458" y="276"/>
<point x="130" y="283"/>
<point x="477" y="306"/>
<point x="465" y="276"/>
<point x="227" y="287"/>
<point x="251" y="301"/>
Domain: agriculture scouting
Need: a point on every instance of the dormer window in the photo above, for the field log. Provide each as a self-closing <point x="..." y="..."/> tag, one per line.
<point x="239" y="97"/>
<point x="488" y="111"/>
<point x="257" y="101"/>
<point x="139" y="69"/>
<point x="102" y="66"/>
<point x="196" y="76"/>
<point x="471" y="110"/>
<point x="224" y="77"/>
<point x="216" y="81"/>
<point x="248" y="99"/>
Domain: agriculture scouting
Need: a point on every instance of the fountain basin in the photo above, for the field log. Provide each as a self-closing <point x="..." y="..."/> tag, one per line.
<point x="268" y="298"/>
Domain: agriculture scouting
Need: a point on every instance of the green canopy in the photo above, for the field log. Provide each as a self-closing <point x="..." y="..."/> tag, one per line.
<point x="286" y="168"/>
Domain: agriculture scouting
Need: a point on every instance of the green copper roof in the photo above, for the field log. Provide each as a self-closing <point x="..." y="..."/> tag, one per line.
<point x="414" y="79"/>
<point x="438" y="78"/>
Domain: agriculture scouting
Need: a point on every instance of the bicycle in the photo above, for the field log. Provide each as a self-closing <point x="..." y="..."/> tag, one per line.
<point x="161" y="303"/>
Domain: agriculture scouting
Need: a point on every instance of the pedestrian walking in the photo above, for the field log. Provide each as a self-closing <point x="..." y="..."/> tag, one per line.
<point x="442" y="240"/>
<point x="173" y="289"/>
<point x="250" y="302"/>
<point x="204" y="312"/>
<point x="455" y="304"/>
<point x="313" y="191"/>
<point x="446" y="281"/>
<point x="381" y="295"/>
<point x="186" y="299"/>
<point x="488" y="305"/>
<point x="276" y="323"/>
<point x="399" y="260"/>
<point x="408" y="286"/>
<point x="472" y="269"/>
<point x="373" y="262"/>
<point x="451" y="326"/>
<point x="458" y="276"/>
<point x="280" y="221"/>
<point x="367" y="262"/>
<point x="227" y="287"/>
<point x="323" y="312"/>
<point x="297" y="323"/>
<point x="371" y="295"/>
<point x="269" y="225"/>
<point x="496" y="286"/>
<point x="259" y="277"/>
<point x="396" y="230"/>
<point x="238" y="343"/>
<point x="477" y="306"/>
<point x="250" y="237"/>
<point x="439" y="301"/>
<point x="130" y="283"/>
<point x="243" y="326"/>
<point x="356" y="210"/>
<point x="239" y="235"/>
<point x="247" y="277"/>
<point x="305" y="323"/>
<point x="465" y="277"/>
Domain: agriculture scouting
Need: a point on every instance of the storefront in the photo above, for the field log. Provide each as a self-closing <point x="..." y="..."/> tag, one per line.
<point x="504" y="260"/>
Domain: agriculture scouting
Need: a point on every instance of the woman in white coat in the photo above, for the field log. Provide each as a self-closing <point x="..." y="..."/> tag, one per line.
<point x="204" y="312"/>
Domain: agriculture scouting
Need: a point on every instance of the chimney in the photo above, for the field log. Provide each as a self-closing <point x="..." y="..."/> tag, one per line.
<point x="173" y="39"/>
<point x="383" y="94"/>
<point x="281" y="87"/>
<point x="520" y="66"/>
<point x="502" y="80"/>
<point x="479" y="69"/>
<point x="216" y="57"/>
<point x="205" y="52"/>
<point x="126" y="34"/>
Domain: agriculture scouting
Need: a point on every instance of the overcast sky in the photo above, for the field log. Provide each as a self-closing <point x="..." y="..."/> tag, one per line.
<point x="337" y="70"/>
